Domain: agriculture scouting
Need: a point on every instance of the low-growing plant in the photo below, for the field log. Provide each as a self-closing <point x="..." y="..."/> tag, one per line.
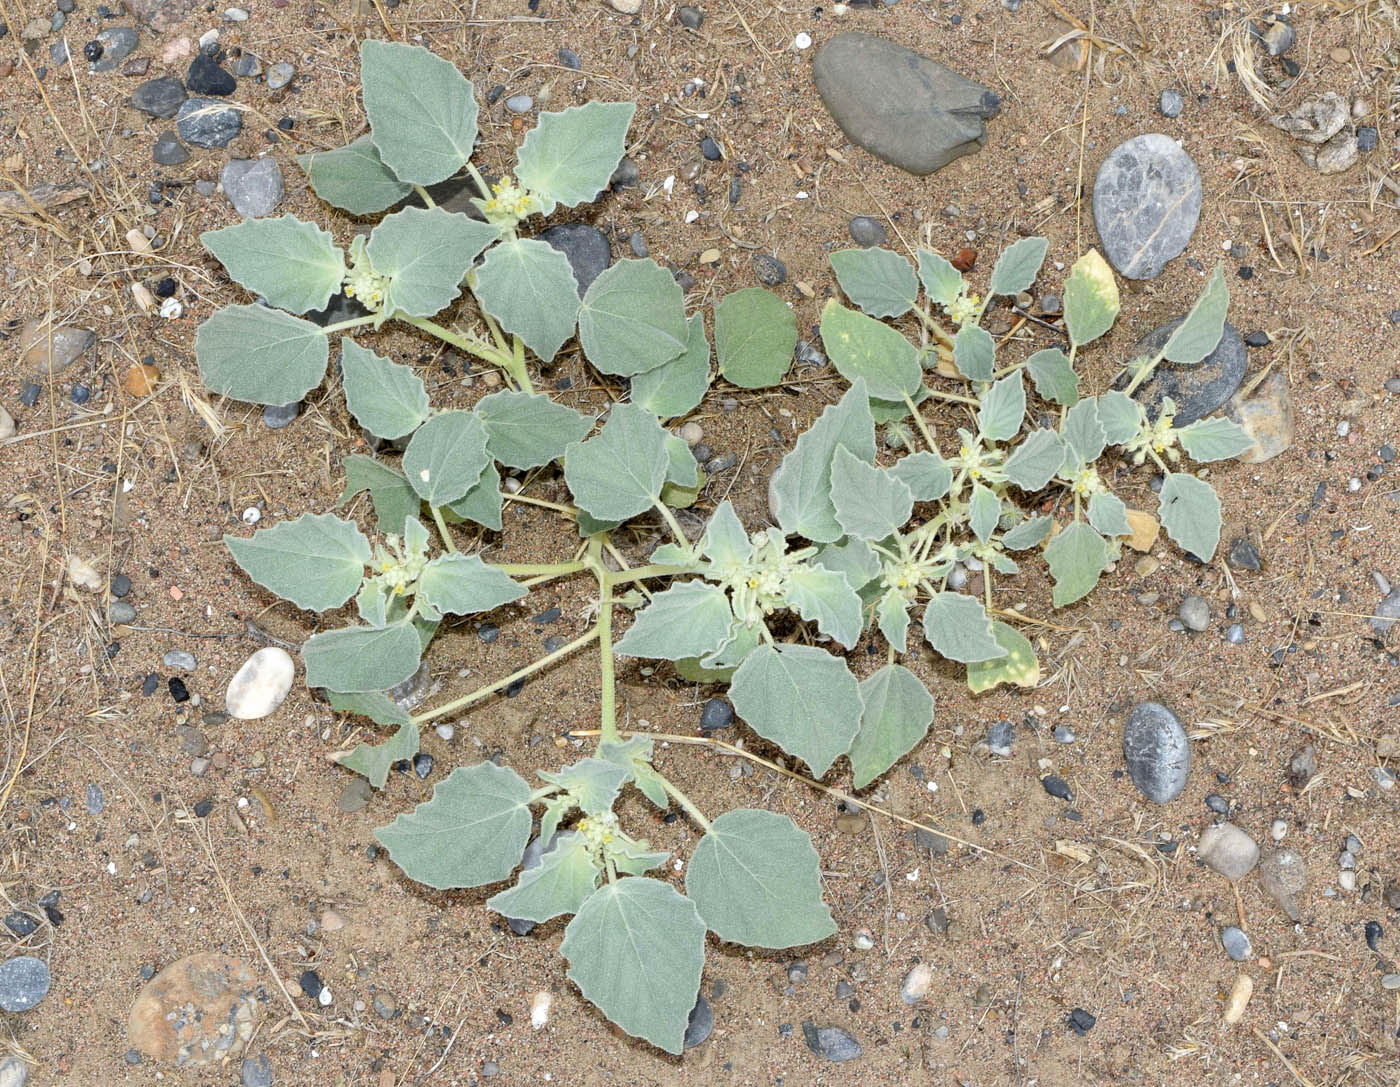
<point x="855" y="546"/>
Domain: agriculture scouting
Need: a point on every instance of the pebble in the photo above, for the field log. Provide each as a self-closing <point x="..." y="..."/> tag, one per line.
<point x="168" y="150"/>
<point x="1147" y="201"/>
<point x="867" y="231"/>
<point x="1385" y="614"/>
<point x="247" y="66"/>
<point x="1277" y="37"/>
<point x="260" y="685"/>
<point x="7" y="425"/>
<point x="833" y="1043"/>
<point x="700" y="1023"/>
<point x="1236" y="943"/>
<point x="770" y="270"/>
<point x="520" y="103"/>
<point x="207" y="122"/>
<point x="116" y="44"/>
<point x="253" y="186"/>
<point x="29" y="394"/>
<point x="916" y="983"/>
<point x="1197" y="390"/>
<point x="256" y="1071"/>
<point x="1194" y="613"/>
<point x="1170" y="103"/>
<point x="690" y="17"/>
<point x="1238" y="999"/>
<point x="207" y="78"/>
<point x="626" y="174"/>
<point x="161" y="97"/>
<point x="279" y="75"/>
<point x="1228" y="850"/>
<point x="627" y="7"/>
<point x="24" y="981"/>
<point x="21" y="924"/>
<point x="1390" y="981"/>
<point x="1243" y="555"/>
<point x="710" y="149"/>
<point x="14" y="1072"/>
<point x="1368" y="138"/>
<point x="1082" y="1021"/>
<point x="1302" y="765"/>
<point x="276" y="416"/>
<point x="1234" y="634"/>
<point x="1000" y="738"/>
<point x="1063" y="734"/>
<point x="354" y="796"/>
<point x="1268" y="416"/>
<point x="1157" y="752"/>
<point x="586" y="247"/>
<point x="52" y="350"/>
<point x="1057" y="787"/>
<point x="902" y="107"/>
<point x="716" y="714"/>
<point x="119" y="612"/>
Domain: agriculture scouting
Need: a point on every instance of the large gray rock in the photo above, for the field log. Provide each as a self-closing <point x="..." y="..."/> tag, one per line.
<point x="900" y="106"/>
<point x="1147" y="200"/>
<point x="586" y="247"/>
<point x="208" y="122"/>
<point x="161" y="97"/>
<point x="1196" y="390"/>
<point x="253" y="186"/>
<point x="1157" y="752"/>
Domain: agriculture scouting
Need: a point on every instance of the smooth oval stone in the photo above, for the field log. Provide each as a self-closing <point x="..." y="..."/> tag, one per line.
<point x="1157" y="752"/>
<point x="180" y="660"/>
<point x="260" y="685"/>
<point x="24" y="981"/>
<point x="1267" y="416"/>
<point x="833" y="1043"/>
<point x="586" y="247"/>
<point x="1228" y="850"/>
<point x="1147" y="201"/>
<point x="866" y="231"/>
<point x="1235" y="943"/>
<point x="1196" y="390"/>
<point x="276" y="416"/>
<point x="903" y="108"/>
<point x="279" y="75"/>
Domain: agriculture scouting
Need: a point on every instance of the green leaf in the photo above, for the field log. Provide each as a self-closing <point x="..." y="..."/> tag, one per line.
<point x="927" y="475"/>
<point x="1077" y="557"/>
<point x="1214" y="439"/>
<point x="394" y="499"/>
<point x="593" y="783"/>
<point x="1054" y="377"/>
<point x="676" y="387"/>
<point x="984" y="511"/>
<point x="294" y="265"/>
<point x="463" y="585"/>
<point x="682" y="469"/>
<point x="870" y="503"/>
<point x="892" y="612"/>
<point x="1108" y="515"/>
<point x="1003" y="406"/>
<point x="853" y="557"/>
<point x="1120" y="415"/>
<point x="376" y="705"/>
<point x="354" y="178"/>
<point x="1199" y="334"/>
<point x="958" y="628"/>
<point x="1028" y="533"/>
<point x="636" y="949"/>
<point x="373" y="761"/>
<point x="1019" y="666"/>
<point x="755" y="336"/>
<point x="802" y="698"/>
<point x="261" y="355"/>
<point x="618" y="473"/>
<point x="799" y="492"/>
<point x="482" y="504"/>
<point x="862" y="347"/>
<point x="879" y="281"/>
<point x="426" y="252"/>
<point x="559" y="884"/>
<point x="525" y="430"/>
<point x="725" y="543"/>
<point x="1190" y="513"/>
<point x="422" y="111"/>
<point x="1036" y="460"/>
<point x="634" y="753"/>
<point x="316" y="561"/>
<point x="529" y="287"/>
<point x="633" y="319"/>
<point x="473" y="830"/>
<point x="689" y="619"/>
<point x="974" y="352"/>
<point x="638" y="861"/>
<point x="1018" y="266"/>
<point x="358" y="659"/>
<point x="942" y="282"/>
<point x="1082" y="431"/>
<point x="446" y="456"/>
<point x="1091" y="299"/>
<point x="569" y="157"/>
<point x="894" y="411"/>
<point x="897" y="715"/>
<point x="826" y="598"/>
<point x="385" y="398"/>
<point x="756" y="880"/>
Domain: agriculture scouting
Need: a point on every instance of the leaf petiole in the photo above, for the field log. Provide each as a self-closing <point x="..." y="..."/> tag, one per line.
<point x="353" y="322"/>
<point x="683" y="800"/>
<point x="442" y="530"/>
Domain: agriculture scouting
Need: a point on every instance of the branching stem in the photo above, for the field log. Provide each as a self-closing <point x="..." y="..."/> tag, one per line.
<point x="501" y="355"/>
<point x="684" y="801"/>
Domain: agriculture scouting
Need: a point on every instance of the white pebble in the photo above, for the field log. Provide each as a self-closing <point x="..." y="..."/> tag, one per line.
<point x="916" y="983"/>
<point x="171" y="309"/>
<point x="539" y="1009"/>
<point x="1278" y="829"/>
<point x="208" y="38"/>
<point x="252" y="515"/>
<point x="445" y="731"/>
<point x="691" y="433"/>
<point x="1346" y="879"/>
<point x="802" y="41"/>
<point x="259" y="687"/>
<point x="235" y="15"/>
<point x="863" y="940"/>
<point x="325" y="996"/>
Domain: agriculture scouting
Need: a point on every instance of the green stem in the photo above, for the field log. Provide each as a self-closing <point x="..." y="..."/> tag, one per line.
<point x="684" y="801"/>
<point x="1142" y="375"/>
<point x="490" y="688"/>
<point x="954" y="398"/>
<point x="499" y="356"/>
<point x="607" y="700"/>
<point x="987" y="584"/>
<point x="423" y="193"/>
<point x="641" y="573"/>
<point x="538" y="569"/>
<point x="442" y="530"/>
<point x="353" y="322"/>
<point x="483" y="189"/>
<point x="672" y="524"/>
<point x="568" y="511"/>
<point x="919" y="422"/>
<point x="935" y="330"/>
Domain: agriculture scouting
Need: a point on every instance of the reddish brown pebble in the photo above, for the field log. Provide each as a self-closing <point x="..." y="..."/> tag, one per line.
<point x="965" y="259"/>
<point x="6" y="67"/>
<point x="141" y="379"/>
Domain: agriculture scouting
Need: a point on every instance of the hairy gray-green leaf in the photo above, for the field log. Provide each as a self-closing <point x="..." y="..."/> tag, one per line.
<point x="892" y="614"/>
<point x="385" y="398"/>
<point x="853" y="557"/>
<point x="261" y="355"/>
<point x="897" y="713"/>
<point x="755" y="336"/>
<point x="1197" y="336"/>
<point x="559" y="884"/>
<point x="1028" y="533"/>
<point x="825" y="597"/>
<point x="1214" y="439"/>
<point x="676" y="387"/>
<point x="619" y="473"/>
<point x="862" y="347"/>
<point x="569" y="157"/>
<point x="1054" y="377"/>
<point x="1077" y="557"/>
<point x="1018" y="266"/>
<point x="373" y="761"/>
<point x="689" y="619"/>
<point x="927" y="475"/>
<point x="529" y="287"/>
<point x="525" y="430"/>
<point x="1003" y="405"/>
<point x="879" y="281"/>
<point x="593" y="783"/>
<point x="482" y="503"/>
<point x="376" y="705"/>
<point x="725" y="542"/>
<point x="354" y="177"/>
<point x="634" y="753"/>
<point x="799" y="492"/>
<point x="1120" y="415"/>
<point x="1108" y="515"/>
<point x="473" y="830"/>
<point x="1082" y="431"/>
<point x="958" y="628"/>
<point x="756" y="880"/>
<point x="1019" y="666"/>
<point x="984" y="511"/>
<point x="463" y="585"/>
<point x="942" y="282"/>
<point x="1036" y="460"/>
<point x="802" y="698"/>
<point x="422" y="111"/>
<point x="426" y="252"/>
<point x="446" y="456"/>
<point x="636" y="948"/>
<point x="870" y="503"/>
<point x="1091" y="299"/>
<point x="894" y="411"/>
<point x="294" y="265"/>
<point x="316" y="561"/>
<point x="974" y="352"/>
<point x="359" y="659"/>
<point x="394" y="499"/>
<point x="1190" y="512"/>
<point x="633" y="319"/>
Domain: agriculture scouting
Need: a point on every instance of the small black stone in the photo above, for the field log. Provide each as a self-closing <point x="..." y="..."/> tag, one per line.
<point x="286" y="124"/>
<point x="569" y="59"/>
<point x="626" y="174"/>
<point x="494" y="94"/>
<point x="690" y="17"/>
<point x="716" y="714"/>
<point x="1244" y="555"/>
<point x="1374" y="932"/>
<point x="178" y="690"/>
<point x="1246" y="272"/>
<point x="93" y="51"/>
<point x="770" y="270"/>
<point x="710" y="149"/>
<point x="1081" y="1021"/>
<point x="515" y="688"/>
<point x="1257" y="338"/>
<point x="203" y="808"/>
<point x="54" y="914"/>
<point x="422" y="765"/>
<point x="549" y="615"/>
<point x="165" y="288"/>
<point x="206" y="77"/>
<point x="1218" y="804"/>
<point x="1057" y="787"/>
<point x="1367" y="138"/>
<point x="978" y="817"/>
<point x="29" y="394"/>
<point x="488" y="632"/>
<point x="310" y="982"/>
<point x="736" y="191"/>
<point x="21" y="924"/>
<point x="81" y="394"/>
<point x="150" y="683"/>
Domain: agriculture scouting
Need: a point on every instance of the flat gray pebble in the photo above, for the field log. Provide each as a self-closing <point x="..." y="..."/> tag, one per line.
<point x="520" y="103"/>
<point x="180" y="660"/>
<point x="117" y="44"/>
<point x="94" y="799"/>
<point x="168" y="150"/>
<point x="1194" y="613"/>
<point x="257" y="1071"/>
<point x="867" y="231"/>
<point x="253" y="186"/>
<point x="24" y="981"/>
<point x="208" y="122"/>
<point x="770" y="270"/>
<point x="276" y="416"/>
<point x="1157" y="752"/>
<point x="1147" y="202"/>
<point x="586" y="247"/>
<point x="161" y="97"/>
<point x="1000" y="738"/>
<point x="1170" y="103"/>
<point x="700" y="1023"/>
<point x="279" y="75"/>
<point x="14" y="1072"/>
<point x="119" y="612"/>
<point x="833" y="1043"/>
